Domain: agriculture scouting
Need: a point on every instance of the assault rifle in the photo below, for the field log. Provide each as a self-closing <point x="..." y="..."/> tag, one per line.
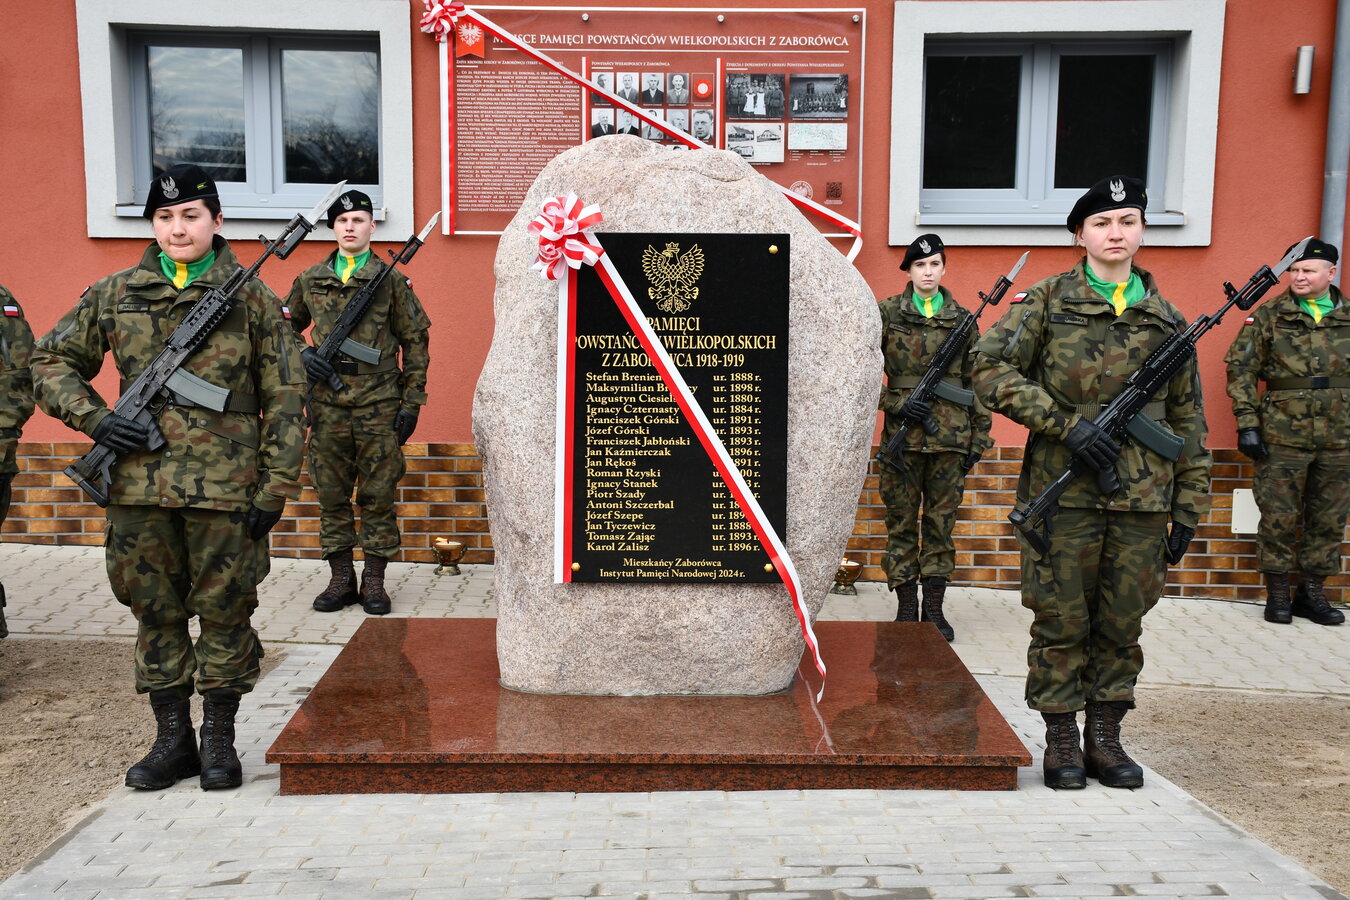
<point x="165" y="379"/>
<point x="931" y="383"/>
<point x="1125" y="414"/>
<point x="339" y="339"/>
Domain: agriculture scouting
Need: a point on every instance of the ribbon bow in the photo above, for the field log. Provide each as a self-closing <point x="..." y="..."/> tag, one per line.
<point x="560" y="226"/>
<point x="439" y="19"/>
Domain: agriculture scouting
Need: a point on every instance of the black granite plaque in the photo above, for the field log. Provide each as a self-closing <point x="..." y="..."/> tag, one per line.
<point x="647" y="503"/>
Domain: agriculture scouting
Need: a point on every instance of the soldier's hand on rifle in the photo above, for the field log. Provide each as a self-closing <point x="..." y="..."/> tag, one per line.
<point x="915" y="411"/>
<point x="405" y="423"/>
<point x="1092" y="445"/>
<point x="971" y="459"/>
<point x="1250" y="444"/>
<point x="120" y="434"/>
<point x="260" y="521"/>
<point x="1178" y="541"/>
<point x="318" y="368"/>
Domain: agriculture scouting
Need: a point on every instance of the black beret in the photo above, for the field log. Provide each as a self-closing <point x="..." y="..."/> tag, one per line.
<point x="924" y="245"/>
<point x="351" y="201"/>
<point x="178" y="184"/>
<point x="1115" y="192"/>
<point x="1318" y="250"/>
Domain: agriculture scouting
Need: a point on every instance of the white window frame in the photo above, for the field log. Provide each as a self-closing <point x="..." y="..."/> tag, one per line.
<point x="106" y="96"/>
<point x="1185" y="198"/>
<point x="1036" y="148"/>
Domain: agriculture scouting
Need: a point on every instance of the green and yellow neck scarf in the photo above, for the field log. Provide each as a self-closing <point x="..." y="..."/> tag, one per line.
<point x="183" y="274"/>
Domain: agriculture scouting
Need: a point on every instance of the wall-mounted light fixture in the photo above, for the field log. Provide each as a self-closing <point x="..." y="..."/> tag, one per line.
<point x="1303" y="66"/>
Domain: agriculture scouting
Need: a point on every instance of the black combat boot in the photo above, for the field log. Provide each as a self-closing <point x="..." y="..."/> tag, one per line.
<point x="934" y="588"/>
<point x="341" y="590"/>
<point x="4" y="629"/>
<point x="174" y="753"/>
<point x="1106" y="760"/>
<point x="373" y="598"/>
<point x="1063" y="764"/>
<point x="1277" y="598"/>
<point x="1311" y="603"/>
<point x="907" y="602"/>
<point x="220" y="764"/>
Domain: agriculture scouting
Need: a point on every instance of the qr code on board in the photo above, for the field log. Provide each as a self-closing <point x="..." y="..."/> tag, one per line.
<point x="834" y="190"/>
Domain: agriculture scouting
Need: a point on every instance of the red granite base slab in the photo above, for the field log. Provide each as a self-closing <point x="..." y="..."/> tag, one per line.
<point x="414" y="706"/>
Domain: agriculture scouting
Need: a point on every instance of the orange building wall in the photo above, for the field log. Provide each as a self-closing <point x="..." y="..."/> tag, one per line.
<point x="1268" y="185"/>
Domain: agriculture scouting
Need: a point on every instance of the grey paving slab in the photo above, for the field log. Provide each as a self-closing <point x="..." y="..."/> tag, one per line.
<point x="1157" y="841"/>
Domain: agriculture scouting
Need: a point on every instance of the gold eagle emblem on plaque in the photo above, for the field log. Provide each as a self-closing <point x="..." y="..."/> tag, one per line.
<point x="672" y="276"/>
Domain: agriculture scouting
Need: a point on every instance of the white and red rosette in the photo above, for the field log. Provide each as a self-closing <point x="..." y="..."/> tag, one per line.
<point x="440" y="17"/>
<point x="563" y="243"/>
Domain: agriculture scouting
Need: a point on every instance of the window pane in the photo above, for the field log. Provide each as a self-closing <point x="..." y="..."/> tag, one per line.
<point x="1102" y="132"/>
<point x="331" y="115"/>
<point x="197" y="109"/>
<point x="970" y="121"/>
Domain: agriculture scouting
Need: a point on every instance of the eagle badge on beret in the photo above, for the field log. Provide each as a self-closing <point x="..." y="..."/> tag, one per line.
<point x="169" y="187"/>
<point x="1117" y="190"/>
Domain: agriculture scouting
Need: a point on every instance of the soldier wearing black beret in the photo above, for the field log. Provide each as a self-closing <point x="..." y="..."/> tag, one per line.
<point x="922" y="497"/>
<point x="1298" y="432"/>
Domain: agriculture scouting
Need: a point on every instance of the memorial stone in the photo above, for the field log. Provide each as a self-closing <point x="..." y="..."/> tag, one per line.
<point x="676" y="637"/>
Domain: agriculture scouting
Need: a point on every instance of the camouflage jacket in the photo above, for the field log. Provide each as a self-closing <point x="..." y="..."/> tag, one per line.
<point x="1059" y="353"/>
<point x="394" y="323"/>
<point x="16" y="385"/>
<point x="1282" y="346"/>
<point x="909" y="341"/>
<point x="211" y="460"/>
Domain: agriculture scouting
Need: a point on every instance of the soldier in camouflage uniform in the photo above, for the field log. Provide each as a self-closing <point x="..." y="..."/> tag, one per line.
<point x="1298" y="432"/>
<point x="16" y="402"/>
<point x="357" y="434"/>
<point x="1062" y="350"/>
<point x="188" y="523"/>
<point x="932" y="477"/>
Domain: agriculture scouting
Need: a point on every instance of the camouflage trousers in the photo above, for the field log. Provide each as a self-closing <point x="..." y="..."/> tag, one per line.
<point x="356" y="448"/>
<point x="1307" y="489"/>
<point x="169" y="565"/>
<point x="935" y="483"/>
<point x="1089" y="593"/>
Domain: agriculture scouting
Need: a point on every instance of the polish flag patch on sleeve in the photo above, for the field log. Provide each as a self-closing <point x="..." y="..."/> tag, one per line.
<point x="286" y="312"/>
<point x="12" y="310"/>
<point x="1018" y="298"/>
<point x="1250" y="320"/>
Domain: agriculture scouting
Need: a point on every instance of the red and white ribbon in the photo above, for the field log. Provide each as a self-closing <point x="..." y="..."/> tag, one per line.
<point x="439" y="18"/>
<point x="670" y="374"/>
<point x="656" y="121"/>
<point x="563" y="243"/>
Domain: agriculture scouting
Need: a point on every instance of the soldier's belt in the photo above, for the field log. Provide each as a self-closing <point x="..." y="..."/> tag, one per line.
<point x="1316" y="382"/>
<point x="947" y="389"/>
<point x="189" y="390"/>
<point x="350" y="367"/>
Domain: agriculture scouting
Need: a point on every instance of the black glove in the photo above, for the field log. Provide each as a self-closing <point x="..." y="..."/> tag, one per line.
<point x="1092" y="445"/>
<point x="1178" y="541"/>
<point x="915" y="411"/>
<point x="318" y="368"/>
<point x="971" y="459"/>
<point x="260" y="521"/>
<point x="405" y="423"/>
<point x="1250" y="444"/>
<point x="119" y="434"/>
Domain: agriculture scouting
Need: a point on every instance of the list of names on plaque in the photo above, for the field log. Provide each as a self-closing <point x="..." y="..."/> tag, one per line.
<point x="646" y="501"/>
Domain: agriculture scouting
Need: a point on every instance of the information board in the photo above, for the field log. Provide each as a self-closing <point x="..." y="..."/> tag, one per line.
<point x="781" y="87"/>
<point x="643" y="500"/>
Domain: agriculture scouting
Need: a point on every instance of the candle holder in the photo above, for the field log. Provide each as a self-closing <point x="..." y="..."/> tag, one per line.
<point x="844" y="578"/>
<point x="448" y="553"/>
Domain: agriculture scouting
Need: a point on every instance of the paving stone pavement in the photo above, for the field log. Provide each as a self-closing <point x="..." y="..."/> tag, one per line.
<point x="1032" y="842"/>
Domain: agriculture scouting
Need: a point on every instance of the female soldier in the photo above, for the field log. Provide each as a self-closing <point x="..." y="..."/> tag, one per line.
<point x="933" y="469"/>
<point x="187" y="521"/>
<point x="1060" y="352"/>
